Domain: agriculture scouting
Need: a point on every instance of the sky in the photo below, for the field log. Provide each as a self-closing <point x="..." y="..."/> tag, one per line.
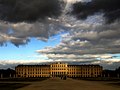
<point x="27" y="52"/>
<point x="72" y="31"/>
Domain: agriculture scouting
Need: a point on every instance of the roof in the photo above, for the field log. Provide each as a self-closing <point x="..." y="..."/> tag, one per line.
<point x="33" y="66"/>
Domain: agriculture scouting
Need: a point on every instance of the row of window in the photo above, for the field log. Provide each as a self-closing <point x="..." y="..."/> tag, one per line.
<point x="33" y="73"/>
<point x="59" y="69"/>
<point x="58" y="72"/>
<point x="61" y="65"/>
<point x="32" y="69"/>
<point x="83" y="75"/>
<point x="55" y="75"/>
<point x="34" y="76"/>
<point x="39" y="69"/>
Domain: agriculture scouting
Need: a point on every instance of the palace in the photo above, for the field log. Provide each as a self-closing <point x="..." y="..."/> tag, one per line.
<point x="58" y="70"/>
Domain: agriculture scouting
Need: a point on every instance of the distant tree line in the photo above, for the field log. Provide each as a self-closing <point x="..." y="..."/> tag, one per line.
<point x="111" y="73"/>
<point x="6" y="73"/>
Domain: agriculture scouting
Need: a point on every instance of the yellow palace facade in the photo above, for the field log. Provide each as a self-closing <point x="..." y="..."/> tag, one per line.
<point x="58" y="70"/>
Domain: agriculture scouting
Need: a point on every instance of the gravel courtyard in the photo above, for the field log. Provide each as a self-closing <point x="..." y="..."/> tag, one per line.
<point x="70" y="84"/>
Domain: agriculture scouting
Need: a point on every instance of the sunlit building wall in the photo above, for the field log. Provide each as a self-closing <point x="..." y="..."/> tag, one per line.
<point x="58" y="70"/>
<point x="32" y="70"/>
<point x="84" y="70"/>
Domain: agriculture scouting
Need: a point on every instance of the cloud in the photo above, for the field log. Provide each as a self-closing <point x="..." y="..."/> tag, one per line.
<point x="19" y="28"/>
<point x="24" y="19"/>
<point x="110" y="8"/>
<point x="107" y="64"/>
<point x="87" y="40"/>
<point x="4" y="64"/>
<point x="88" y="35"/>
<point x="28" y="10"/>
<point x="20" y="33"/>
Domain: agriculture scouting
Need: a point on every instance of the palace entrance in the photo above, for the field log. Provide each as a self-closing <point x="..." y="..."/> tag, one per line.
<point x="58" y="69"/>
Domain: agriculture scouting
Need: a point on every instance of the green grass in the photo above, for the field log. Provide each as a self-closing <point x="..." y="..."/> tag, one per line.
<point x="99" y="79"/>
<point x="118" y="83"/>
<point x="12" y="86"/>
<point x="22" y="79"/>
<point x="115" y="84"/>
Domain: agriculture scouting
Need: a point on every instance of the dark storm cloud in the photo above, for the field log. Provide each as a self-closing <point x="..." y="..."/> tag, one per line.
<point x="110" y="8"/>
<point x="28" y="10"/>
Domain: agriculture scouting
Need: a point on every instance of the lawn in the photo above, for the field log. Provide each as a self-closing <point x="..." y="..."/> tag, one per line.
<point x="21" y="79"/>
<point x="12" y="86"/>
